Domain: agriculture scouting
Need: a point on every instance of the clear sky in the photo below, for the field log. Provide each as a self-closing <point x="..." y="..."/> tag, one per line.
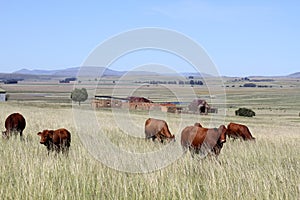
<point x="242" y="37"/>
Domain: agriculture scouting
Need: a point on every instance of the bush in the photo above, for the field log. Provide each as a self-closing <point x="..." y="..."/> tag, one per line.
<point x="245" y="112"/>
<point x="249" y="85"/>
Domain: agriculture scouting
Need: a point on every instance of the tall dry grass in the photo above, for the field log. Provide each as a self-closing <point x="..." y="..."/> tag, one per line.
<point x="266" y="169"/>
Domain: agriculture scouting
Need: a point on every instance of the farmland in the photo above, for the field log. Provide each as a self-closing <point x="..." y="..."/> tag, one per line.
<point x="266" y="169"/>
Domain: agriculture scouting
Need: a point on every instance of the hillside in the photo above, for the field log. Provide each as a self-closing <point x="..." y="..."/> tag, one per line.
<point x="92" y="71"/>
<point x="294" y="75"/>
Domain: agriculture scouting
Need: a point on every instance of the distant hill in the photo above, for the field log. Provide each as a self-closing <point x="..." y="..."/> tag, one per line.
<point x="294" y="75"/>
<point x="72" y="72"/>
<point x="35" y="72"/>
<point x="6" y="76"/>
<point x="84" y="71"/>
<point x="97" y="71"/>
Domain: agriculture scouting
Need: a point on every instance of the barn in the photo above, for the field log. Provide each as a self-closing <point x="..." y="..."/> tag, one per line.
<point x="133" y="103"/>
<point x="138" y="103"/>
<point x="106" y="102"/>
<point x="199" y="105"/>
<point x="2" y="95"/>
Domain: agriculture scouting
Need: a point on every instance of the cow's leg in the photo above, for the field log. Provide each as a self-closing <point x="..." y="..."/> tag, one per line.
<point x="65" y="150"/>
<point x="192" y="151"/>
<point x="21" y="136"/>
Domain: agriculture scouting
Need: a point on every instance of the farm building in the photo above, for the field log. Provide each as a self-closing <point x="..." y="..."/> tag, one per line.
<point x="133" y="99"/>
<point x="2" y="95"/>
<point x="212" y="110"/>
<point x="199" y="105"/>
<point x="133" y="103"/>
<point x="138" y="103"/>
<point x="170" y="107"/>
<point x="106" y="102"/>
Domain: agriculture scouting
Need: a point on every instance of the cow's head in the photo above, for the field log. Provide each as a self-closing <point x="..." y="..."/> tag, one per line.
<point x="221" y="140"/>
<point x="168" y="138"/>
<point x="171" y="138"/>
<point x="46" y="136"/>
<point x="222" y="131"/>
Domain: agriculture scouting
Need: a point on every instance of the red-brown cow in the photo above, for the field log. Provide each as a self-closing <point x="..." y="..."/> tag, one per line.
<point x="204" y="140"/>
<point x="14" y="123"/>
<point x="58" y="140"/>
<point x="156" y="128"/>
<point x="239" y="131"/>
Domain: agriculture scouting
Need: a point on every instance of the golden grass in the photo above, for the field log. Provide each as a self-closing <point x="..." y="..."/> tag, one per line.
<point x="266" y="169"/>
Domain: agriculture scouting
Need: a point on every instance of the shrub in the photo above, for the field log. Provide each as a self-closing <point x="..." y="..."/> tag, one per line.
<point x="245" y="112"/>
<point x="249" y="85"/>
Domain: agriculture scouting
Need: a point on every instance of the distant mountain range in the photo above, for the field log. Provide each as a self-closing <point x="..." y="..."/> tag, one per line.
<point x="97" y="71"/>
<point x="92" y="71"/>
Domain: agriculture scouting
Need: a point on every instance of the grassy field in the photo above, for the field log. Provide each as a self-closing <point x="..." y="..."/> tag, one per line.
<point x="266" y="169"/>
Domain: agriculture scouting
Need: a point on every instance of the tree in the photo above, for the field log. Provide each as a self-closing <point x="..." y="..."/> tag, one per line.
<point x="245" y="112"/>
<point x="192" y="82"/>
<point x="79" y="95"/>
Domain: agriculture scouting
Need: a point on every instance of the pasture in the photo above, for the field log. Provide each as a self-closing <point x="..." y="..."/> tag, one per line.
<point x="266" y="169"/>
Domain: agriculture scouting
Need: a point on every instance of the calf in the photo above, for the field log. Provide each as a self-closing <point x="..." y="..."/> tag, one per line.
<point x="14" y="123"/>
<point x="58" y="140"/>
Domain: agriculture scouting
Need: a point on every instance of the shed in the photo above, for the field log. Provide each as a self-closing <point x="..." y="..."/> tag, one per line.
<point x="106" y="102"/>
<point x="2" y="95"/>
<point x="199" y="105"/>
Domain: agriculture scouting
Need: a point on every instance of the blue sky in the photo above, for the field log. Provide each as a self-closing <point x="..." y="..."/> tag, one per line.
<point x="241" y="37"/>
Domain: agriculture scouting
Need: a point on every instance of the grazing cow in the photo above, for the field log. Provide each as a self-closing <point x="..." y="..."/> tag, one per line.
<point x="58" y="140"/>
<point x="14" y="123"/>
<point x="239" y="131"/>
<point x="204" y="140"/>
<point x="156" y="128"/>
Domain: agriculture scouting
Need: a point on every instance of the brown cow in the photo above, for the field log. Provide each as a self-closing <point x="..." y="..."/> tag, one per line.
<point x="58" y="140"/>
<point x="14" y="123"/>
<point x="156" y="128"/>
<point x="239" y="131"/>
<point x="204" y="140"/>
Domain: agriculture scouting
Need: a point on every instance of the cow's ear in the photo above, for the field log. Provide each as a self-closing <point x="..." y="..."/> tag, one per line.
<point x="39" y="133"/>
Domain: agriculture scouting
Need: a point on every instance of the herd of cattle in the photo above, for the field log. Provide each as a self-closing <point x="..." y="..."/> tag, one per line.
<point x="195" y="138"/>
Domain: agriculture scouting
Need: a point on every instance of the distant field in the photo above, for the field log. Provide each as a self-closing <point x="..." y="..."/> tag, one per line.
<point x="266" y="169"/>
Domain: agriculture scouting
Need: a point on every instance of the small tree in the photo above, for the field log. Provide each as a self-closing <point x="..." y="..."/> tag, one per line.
<point x="79" y="95"/>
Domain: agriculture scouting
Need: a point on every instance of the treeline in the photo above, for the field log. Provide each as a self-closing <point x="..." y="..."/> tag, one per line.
<point x="254" y="85"/>
<point x="253" y="80"/>
<point x="190" y="82"/>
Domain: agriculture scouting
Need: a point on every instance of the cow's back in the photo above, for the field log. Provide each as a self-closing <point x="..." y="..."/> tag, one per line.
<point x="187" y="135"/>
<point x="153" y="126"/>
<point x="239" y="130"/>
<point x="233" y="130"/>
<point x="15" y="122"/>
<point x="62" y="135"/>
<point x="193" y="136"/>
